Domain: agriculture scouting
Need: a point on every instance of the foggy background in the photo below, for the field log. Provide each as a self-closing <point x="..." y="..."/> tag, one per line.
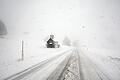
<point x="93" y="23"/>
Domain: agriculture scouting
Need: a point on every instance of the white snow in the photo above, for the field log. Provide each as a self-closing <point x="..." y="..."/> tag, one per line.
<point x="95" y="24"/>
<point x="10" y="55"/>
<point x="105" y="61"/>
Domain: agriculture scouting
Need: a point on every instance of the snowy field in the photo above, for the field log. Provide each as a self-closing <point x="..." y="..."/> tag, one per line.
<point x="34" y="52"/>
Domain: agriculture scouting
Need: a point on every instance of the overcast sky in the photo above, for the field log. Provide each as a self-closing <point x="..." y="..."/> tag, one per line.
<point x="92" y="22"/>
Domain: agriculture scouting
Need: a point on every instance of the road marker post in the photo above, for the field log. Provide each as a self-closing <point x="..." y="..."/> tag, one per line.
<point x="22" y="54"/>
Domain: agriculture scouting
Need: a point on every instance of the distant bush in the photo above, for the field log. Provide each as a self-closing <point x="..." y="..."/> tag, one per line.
<point x="67" y="41"/>
<point x="3" y="30"/>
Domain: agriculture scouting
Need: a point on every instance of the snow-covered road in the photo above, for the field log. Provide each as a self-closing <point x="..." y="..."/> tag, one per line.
<point x="90" y="66"/>
<point x="65" y="66"/>
<point x="69" y="69"/>
<point x="90" y="69"/>
<point x="72" y="64"/>
<point x="96" y="66"/>
<point x="41" y="70"/>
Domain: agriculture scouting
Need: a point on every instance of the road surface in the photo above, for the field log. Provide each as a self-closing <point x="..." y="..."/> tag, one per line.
<point x="70" y="65"/>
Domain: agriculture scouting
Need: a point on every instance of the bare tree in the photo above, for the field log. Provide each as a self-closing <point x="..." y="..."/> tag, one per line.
<point x="76" y="43"/>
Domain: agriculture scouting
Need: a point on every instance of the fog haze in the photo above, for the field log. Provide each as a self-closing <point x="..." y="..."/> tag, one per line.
<point x="94" y="23"/>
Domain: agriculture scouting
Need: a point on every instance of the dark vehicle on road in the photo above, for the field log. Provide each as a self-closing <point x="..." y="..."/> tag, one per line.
<point x="51" y="43"/>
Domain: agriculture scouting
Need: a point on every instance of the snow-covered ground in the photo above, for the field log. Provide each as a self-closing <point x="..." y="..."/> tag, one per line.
<point x="34" y="52"/>
<point x="96" y="64"/>
<point x="100" y="63"/>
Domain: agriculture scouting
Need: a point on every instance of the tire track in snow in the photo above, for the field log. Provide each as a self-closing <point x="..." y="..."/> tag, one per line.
<point x="69" y="69"/>
<point x="94" y="68"/>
